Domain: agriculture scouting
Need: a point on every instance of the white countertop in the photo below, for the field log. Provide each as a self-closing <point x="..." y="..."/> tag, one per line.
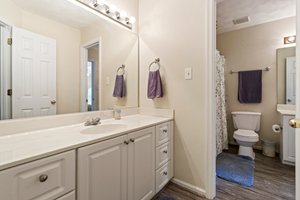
<point x="286" y="109"/>
<point x="24" y="147"/>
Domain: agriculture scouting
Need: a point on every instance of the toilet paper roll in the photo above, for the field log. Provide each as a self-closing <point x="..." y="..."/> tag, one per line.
<point x="276" y="128"/>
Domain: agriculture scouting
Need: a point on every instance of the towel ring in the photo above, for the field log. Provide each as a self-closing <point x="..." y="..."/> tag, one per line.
<point x="157" y="60"/>
<point x="121" y="68"/>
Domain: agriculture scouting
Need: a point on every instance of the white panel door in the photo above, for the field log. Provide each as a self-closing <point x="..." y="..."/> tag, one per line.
<point x="33" y="74"/>
<point x="141" y="164"/>
<point x="102" y="170"/>
<point x="298" y="106"/>
<point x="291" y="80"/>
<point x="5" y="73"/>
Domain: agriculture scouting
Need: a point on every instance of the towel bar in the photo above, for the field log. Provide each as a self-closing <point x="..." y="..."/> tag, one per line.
<point x="265" y="69"/>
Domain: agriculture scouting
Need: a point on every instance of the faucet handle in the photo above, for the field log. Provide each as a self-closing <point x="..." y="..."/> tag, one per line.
<point x="87" y="123"/>
<point x="95" y="121"/>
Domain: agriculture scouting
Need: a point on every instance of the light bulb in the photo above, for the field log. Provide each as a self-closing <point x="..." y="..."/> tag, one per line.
<point x="113" y="8"/>
<point x="291" y="39"/>
<point x="102" y="2"/>
<point x="132" y="20"/>
<point x="123" y="14"/>
<point x="93" y="3"/>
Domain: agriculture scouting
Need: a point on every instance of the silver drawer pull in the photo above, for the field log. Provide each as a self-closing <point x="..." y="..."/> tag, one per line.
<point x="165" y="173"/>
<point x="132" y="140"/>
<point x="165" y="151"/>
<point x="43" y="178"/>
<point x="165" y="131"/>
<point x="126" y="142"/>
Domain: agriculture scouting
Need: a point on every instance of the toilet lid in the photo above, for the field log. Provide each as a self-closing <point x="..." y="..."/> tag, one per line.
<point x="245" y="135"/>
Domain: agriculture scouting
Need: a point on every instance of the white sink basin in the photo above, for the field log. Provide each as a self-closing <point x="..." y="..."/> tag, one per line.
<point x="103" y="128"/>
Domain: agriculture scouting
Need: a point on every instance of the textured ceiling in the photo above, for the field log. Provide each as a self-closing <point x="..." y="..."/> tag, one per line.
<point x="60" y="10"/>
<point x="259" y="11"/>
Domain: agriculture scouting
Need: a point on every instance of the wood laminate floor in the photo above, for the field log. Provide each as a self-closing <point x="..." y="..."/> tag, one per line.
<point x="272" y="181"/>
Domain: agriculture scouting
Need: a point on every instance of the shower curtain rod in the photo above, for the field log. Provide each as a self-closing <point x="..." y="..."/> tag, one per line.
<point x="265" y="69"/>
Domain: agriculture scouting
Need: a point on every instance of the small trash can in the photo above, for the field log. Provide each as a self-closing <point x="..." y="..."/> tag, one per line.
<point x="268" y="148"/>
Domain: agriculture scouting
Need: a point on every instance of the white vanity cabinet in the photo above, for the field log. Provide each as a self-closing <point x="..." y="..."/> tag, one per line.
<point x="118" y="169"/>
<point x="45" y="179"/>
<point x="287" y="152"/>
<point x="131" y="165"/>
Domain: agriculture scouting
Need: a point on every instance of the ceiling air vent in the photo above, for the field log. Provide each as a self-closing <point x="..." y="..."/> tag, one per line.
<point x="241" y="20"/>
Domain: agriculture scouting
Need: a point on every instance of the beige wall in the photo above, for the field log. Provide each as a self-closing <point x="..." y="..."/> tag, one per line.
<point x="68" y="43"/>
<point x="254" y="48"/>
<point x="178" y="39"/>
<point x="117" y="46"/>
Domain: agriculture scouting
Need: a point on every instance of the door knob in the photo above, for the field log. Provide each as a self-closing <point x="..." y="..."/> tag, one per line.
<point x="53" y="102"/>
<point x="295" y="123"/>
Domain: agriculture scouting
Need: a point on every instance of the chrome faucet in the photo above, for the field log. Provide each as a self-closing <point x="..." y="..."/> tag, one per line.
<point x="93" y="122"/>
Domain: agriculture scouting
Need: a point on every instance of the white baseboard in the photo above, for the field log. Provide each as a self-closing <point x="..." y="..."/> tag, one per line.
<point x="189" y="187"/>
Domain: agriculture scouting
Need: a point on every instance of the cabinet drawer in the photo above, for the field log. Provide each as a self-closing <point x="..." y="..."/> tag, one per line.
<point x="44" y="179"/>
<point x="70" y="196"/>
<point x="163" y="175"/>
<point x="162" y="133"/>
<point x="163" y="154"/>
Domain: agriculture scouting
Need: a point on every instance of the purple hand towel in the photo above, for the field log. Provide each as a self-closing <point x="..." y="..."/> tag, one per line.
<point x="155" y="89"/>
<point x="120" y="87"/>
<point x="250" y="86"/>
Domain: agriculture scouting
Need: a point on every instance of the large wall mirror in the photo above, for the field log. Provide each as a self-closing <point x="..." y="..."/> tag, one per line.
<point x="63" y="59"/>
<point x="286" y="75"/>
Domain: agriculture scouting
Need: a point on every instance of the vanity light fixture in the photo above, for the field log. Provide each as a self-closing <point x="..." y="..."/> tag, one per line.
<point x="290" y="39"/>
<point x="102" y="9"/>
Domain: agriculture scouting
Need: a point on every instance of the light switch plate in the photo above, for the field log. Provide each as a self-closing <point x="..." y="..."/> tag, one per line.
<point x="107" y="82"/>
<point x="188" y="72"/>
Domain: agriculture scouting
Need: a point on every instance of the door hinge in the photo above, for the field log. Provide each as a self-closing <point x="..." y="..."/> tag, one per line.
<point x="9" y="41"/>
<point x="9" y="92"/>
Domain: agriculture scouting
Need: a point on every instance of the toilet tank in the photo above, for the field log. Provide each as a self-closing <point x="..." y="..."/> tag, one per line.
<point x="246" y="120"/>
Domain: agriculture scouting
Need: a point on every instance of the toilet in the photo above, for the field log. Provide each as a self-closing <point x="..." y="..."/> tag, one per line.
<point x="247" y="124"/>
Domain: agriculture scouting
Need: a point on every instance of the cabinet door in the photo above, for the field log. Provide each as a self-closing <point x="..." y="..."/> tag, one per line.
<point x="102" y="170"/>
<point x="288" y="140"/>
<point x="141" y="166"/>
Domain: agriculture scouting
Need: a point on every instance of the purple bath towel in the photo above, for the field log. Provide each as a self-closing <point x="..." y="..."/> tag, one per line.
<point x="250" y="86"/>
<point x="120" y="87"/>
<point x="155" y="89"/>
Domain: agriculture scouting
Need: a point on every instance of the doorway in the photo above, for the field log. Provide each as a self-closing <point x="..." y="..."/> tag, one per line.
<point x="91" y="77"/>
<point x="235" y="44"/>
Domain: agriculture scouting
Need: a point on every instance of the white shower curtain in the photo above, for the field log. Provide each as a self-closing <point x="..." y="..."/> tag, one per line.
<point x="221" y="122"/>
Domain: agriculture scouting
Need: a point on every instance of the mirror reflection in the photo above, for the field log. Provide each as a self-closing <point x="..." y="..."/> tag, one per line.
<point x="62" y="59"/>
<point x="286" y="75"/>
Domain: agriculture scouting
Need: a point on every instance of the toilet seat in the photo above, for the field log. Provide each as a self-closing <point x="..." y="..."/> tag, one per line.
<point x="245" y="135"/>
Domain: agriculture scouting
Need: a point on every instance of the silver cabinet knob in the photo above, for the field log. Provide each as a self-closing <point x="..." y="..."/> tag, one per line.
<point x="132" y="140"/>
<point x="165" y="173"/>
<point x="53" y="102"/>
<point x="165" y="130"/>
<point x="43" y="178"/>
<point x="126" y="142"/>
<point x="165" y="151"/>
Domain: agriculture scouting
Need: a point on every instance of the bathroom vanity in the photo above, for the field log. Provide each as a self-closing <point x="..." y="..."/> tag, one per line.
<point x="287" y="138"/>
<point x="131" y="158"/>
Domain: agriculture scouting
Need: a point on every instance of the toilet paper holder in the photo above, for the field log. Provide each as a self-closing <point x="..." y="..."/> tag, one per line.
<point x="276" y="128"/>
